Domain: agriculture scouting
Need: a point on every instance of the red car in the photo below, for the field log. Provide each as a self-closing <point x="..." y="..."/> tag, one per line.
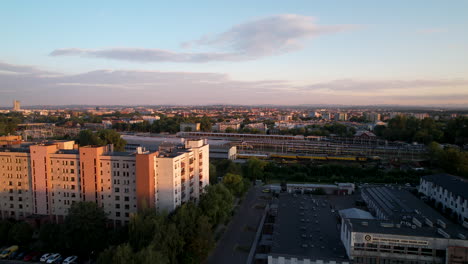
<point x="31" y="255"/>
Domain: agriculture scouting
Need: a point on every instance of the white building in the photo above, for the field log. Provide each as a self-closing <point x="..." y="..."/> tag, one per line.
<point x="449" y="191"/>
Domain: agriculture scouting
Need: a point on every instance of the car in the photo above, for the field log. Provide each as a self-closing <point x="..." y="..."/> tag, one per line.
<point x="53" y="258"/>
<point x="20" y="255"/>
<point x="13" y="255"/>
<point x="31" y="255"/>
<point x="45" y="257"/>
<point x="8" y="251"/>
<point x="70" y="260"/>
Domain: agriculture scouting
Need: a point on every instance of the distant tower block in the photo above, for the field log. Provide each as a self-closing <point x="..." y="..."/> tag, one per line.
<point x="16" y="105"/>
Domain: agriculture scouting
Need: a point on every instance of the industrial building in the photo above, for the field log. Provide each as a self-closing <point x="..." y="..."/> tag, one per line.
<point x="448" y="191"/>
<point x="402" y="230"/>
<point x="45" y="179"/>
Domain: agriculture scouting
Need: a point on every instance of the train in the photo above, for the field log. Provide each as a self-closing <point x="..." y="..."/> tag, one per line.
<point x="307" y="157"/>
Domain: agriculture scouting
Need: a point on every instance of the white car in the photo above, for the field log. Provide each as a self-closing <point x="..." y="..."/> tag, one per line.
<point x="70" y="260"/>
<point x="53" y="258"/>
<point x="45" y="257"/>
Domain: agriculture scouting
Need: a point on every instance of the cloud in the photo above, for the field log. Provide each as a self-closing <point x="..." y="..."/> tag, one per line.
<point x="267" y="36"/>
<point x="431" y="31"/>
<point x="132" y="87"/>
<point x="384" y="85"/>
<point x="7" y="68"/>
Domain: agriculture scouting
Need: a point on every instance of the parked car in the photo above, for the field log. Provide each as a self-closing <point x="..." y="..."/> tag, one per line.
<point x="13" y="255"/>
<point x="45" y="257"/>
<point x="20" y="255"/>
<point x="31" y="255"/>
<point x="53" y="258"/>
<point x="8" y="251"/>
<point x="70" y="260"/>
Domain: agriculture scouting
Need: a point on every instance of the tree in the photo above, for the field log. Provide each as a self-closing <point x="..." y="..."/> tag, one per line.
<point x="142" y="227"/>
<point x="234" y="183"/>
<point x="213" y="175"/>
<point x="109" y="136"/>
<point x="202" y="242"/>
<point x="216" y="203"/>
<point x="88" y="137"/>
<point x="255" y="169"/>
<point x="21" y="233"/>
<point x="52" y="237"/>
<point x="5" y="227"/>
<point x="85" y="227"/>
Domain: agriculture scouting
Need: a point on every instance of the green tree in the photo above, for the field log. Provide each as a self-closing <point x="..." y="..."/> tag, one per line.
<point x="216" y="203"/>
<point x="203" y="240"/>
<point x="255" y="169"/>
<point x="88" y="137"/>
<point x="109" y="136"/>
<point x="85" y="227"/>
<point x="52" y="237"/>
<point x="234" y="183"/>
<point x="5" y="227"/>
<point x="213" y="175"/>
<point x="21" y="233"/>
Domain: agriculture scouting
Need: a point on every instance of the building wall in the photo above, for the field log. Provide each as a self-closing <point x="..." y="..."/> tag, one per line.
<point x="457" y="204"/>
<point x="47" y="180"/>
<point x="41" y="177"/>
<point x="65" y="183"/>
<point x="168" y="170"/>
<point x="15" y="195"/>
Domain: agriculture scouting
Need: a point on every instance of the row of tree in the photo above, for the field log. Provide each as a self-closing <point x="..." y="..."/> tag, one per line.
<point x="9" y="123"/>
<point x="255" y="169"/>
<point x="101" y="138"/>
<point x="184" y="236"/>
<point x="451" y="160"/>
<point x="411" y="129"/>
<point x="165" y="124"/>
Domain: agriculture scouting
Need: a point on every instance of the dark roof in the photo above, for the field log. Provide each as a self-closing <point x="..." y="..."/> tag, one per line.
<point x="457" y="185"/>
<point x="402" y="208"/>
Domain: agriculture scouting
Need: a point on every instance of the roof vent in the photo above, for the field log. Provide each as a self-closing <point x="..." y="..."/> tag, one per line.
<point x="386" y="224"/>
<point x="441" y="223"/>
<point x="443" y="233"/>
<point x="417" y="222"/>
<point x="428" y="222"/>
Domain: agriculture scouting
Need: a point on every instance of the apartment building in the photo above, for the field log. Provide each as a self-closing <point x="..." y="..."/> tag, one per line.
<point x="449" y="191"/>
<point x="46" y="179"/>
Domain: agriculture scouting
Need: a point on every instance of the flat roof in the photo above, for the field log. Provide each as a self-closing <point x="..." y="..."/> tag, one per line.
<point x="402" y="207"/>
<point x="306" y="226"/>
<point x="454" y="184"/>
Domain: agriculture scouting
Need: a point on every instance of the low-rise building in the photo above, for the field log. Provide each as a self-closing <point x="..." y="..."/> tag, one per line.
<point x="405" y="230"/>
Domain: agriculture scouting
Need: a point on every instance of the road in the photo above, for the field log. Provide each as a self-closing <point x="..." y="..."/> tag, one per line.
<point x="235" y="243"/>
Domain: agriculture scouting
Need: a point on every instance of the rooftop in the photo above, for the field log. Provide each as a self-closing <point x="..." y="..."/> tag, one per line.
<point x="458" y="186"/>
<point x="307" y="226"/>
<point x="406" y="215"/>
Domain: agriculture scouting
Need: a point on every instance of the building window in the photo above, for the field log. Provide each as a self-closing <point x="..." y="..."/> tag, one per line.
<point x="127" y="198"/>
<point x="117" y="214"/>
<point x="117" y="198"/>
<point x="116" y="190"/>
<point x="117" y="206"/>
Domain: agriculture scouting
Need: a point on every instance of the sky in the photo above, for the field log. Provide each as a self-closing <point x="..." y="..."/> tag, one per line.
<point x="234" y="52"/>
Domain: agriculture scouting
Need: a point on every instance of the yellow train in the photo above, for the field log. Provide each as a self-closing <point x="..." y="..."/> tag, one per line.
<point x="304" y="157"/>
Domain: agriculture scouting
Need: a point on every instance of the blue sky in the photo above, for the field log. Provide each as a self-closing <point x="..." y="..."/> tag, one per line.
<point x="253" y="52"/>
